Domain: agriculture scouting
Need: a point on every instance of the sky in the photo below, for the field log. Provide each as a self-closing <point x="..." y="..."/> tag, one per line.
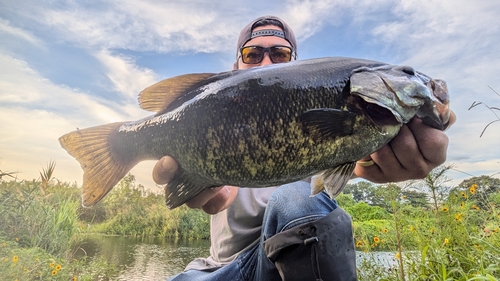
<point x="74" y="64"/>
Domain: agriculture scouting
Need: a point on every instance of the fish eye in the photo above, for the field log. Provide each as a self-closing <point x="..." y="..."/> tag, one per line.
<point x="408" y="70"/>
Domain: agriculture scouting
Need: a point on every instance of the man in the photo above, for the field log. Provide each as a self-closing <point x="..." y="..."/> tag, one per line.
<point x="281" y="232"/>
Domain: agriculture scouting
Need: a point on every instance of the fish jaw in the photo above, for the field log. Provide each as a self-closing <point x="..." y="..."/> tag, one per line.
<point x="404" y="92"/>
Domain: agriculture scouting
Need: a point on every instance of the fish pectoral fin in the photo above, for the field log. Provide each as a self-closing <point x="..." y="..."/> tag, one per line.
<point x="333" y="180"/>
<point x="327" y="122"/>
<point x="102" y="169"/>
<point x="180" y="190"/>
<point x="159" y="96"/>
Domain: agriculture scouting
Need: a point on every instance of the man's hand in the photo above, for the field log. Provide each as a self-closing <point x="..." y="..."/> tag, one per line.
<point x="412" y="154"/>
<point x="211" y="201"/>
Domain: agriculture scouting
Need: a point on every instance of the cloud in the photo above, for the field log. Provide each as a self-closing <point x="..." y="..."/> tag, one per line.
<point x="151" y="26"/>
<point x="7" y="28"/>
<point x="128" y="78"/>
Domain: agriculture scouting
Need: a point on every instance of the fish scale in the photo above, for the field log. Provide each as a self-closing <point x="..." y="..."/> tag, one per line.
<point x="261" y="127"/>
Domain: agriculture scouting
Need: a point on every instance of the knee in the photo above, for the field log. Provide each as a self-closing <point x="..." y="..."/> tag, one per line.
<point x="292" y="204"/>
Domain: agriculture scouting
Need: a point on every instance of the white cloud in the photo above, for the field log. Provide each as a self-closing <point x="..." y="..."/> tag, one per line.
<point x="127" y="77"/>
<point x="7" y="28"/>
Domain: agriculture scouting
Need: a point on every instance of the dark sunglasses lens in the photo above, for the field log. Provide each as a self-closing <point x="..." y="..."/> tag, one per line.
<point x="281" y="54"/>
<point x="252" y="55"/>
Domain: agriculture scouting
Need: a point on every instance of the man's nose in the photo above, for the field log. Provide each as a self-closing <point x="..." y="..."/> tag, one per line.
<point x="266" y="60"/>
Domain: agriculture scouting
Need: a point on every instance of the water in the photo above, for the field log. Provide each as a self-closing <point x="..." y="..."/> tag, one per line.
<point x="150" y="258"/>
<point x="144" y="258"/>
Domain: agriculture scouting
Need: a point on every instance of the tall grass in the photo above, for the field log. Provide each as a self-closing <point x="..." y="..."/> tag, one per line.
<point x="452" y="239"/>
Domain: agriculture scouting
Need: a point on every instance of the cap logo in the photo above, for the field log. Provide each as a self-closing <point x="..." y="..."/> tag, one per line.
<point x="268" y="32"/>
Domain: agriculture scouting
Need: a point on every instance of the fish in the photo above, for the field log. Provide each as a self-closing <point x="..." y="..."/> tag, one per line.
<point x="261" y="127"/>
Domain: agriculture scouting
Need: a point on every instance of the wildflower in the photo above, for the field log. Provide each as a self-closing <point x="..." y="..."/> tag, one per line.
<point x="398" y="256"/>
<point x="464" y="195"/>
<point x="404" y="196"/>
<point x="412" y="228"/>
<point x="446" y="241"/>
<point x="458" y="217"/>
<point x="51" y="264"/>
<point x="74" y="278"/>
<point x="54" y="272"/>
<point x="386" y="230"/>
<point x="432" y="230"/>
<point x="473" y="188"/>
<point x="5" y="259"/>
<point x="17" y="239"/>
<point x="58" y="267"/>
<point x="444" y="209"/>
<point x="495" y="230"/>
<point x="376" y="239"/>
<point x="462" y="204"/>
<point x="15" y="259"/>
<point x="359" y="243"/>
<point x="475" y="207"/>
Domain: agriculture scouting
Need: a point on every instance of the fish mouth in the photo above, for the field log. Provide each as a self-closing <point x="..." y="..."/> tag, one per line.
<point x="381" y="116"/>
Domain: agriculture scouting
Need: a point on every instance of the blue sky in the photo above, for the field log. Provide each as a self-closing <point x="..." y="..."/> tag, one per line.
<point x="68" y="64"/>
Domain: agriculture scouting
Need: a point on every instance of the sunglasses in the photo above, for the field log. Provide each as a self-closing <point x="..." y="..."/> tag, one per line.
<point x="255" y="54"/>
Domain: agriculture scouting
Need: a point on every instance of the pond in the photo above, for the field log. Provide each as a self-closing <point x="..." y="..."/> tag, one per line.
<point x="144" y="258"/>
<point x="151" y="258"/>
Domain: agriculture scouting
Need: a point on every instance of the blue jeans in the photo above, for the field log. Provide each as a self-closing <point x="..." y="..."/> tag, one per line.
<point x="289" y="206"/>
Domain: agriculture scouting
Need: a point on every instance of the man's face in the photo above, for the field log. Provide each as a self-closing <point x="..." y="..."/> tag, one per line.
<point x="262" y="41"/>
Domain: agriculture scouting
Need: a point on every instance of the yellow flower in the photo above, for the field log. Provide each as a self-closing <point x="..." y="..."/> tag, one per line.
<point x="58" y="267"/>
<point x="359" y="243"/>
<point x="444" y="209"/>
<point x="462" y="204"/>
<point x="398" y="256"/>
<point x="404" y="196"/>
<point x="376" y="239"/>
<point x="15" y="259"/>
<point x="464" y="195"/>
<point x="412" y="228"/>
<point x="432" y="230"/>
<point x="475" y="207"/>
<point x="473" y="188"/>
<point x="54" y="272"/>
<point x="17" y="239"/>
<point x="458" y="217"/>
<point x="386" y="230"/>
<point x="51" y="264"/>
<point x="446" y="241"/>
<point x="74" y="278"/>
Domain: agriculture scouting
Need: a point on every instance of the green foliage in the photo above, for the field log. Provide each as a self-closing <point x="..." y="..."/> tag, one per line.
<point x="131" y="210"/>
<point x="365" y="212"/>
<point x="21" y="263"/>
<point x="455" y="236"/>
<point x="35" y="218"/>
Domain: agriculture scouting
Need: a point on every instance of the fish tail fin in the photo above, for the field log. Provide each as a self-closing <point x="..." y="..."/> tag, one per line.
<point x="102" y="169"/>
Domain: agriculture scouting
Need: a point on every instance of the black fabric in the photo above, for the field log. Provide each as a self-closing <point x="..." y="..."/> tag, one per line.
<point x="320" y="250"/>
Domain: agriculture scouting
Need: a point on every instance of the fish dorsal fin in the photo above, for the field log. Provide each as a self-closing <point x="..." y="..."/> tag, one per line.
<point x="323" y="123"/>
<point x="158" y="96"/>
<point x="333" y="180"/>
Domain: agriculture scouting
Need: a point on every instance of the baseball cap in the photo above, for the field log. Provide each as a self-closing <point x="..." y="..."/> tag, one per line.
<point x="247" y="33"/>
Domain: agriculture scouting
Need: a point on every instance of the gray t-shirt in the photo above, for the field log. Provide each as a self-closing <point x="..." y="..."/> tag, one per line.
<point x="235" y="229"/>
